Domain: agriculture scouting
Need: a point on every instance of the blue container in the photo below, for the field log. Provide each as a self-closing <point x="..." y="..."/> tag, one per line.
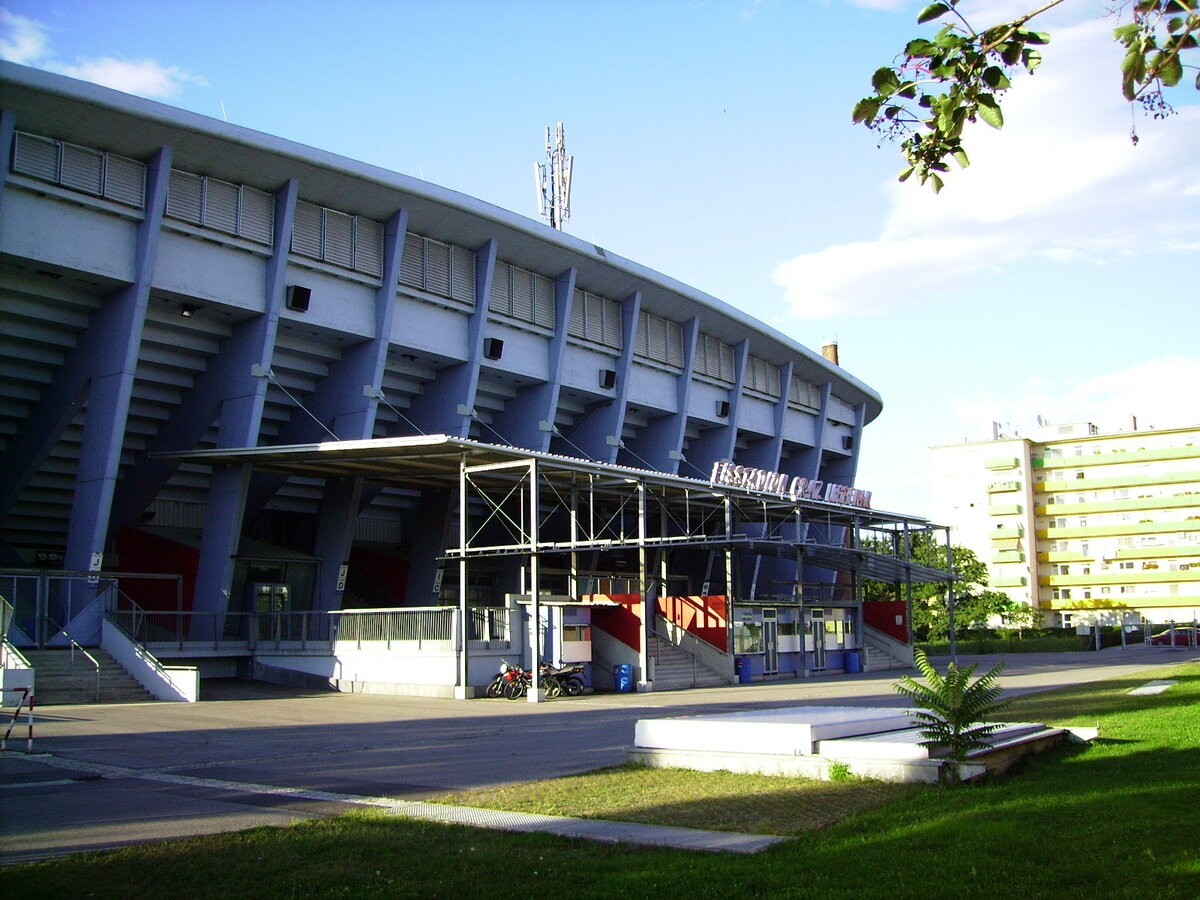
<point x="741" y="668"/>
<point x="853" y="662"/>
<point x="623" y="677"/>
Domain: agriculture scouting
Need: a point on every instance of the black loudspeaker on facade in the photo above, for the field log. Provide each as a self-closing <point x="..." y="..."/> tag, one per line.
<point x="608" y="379"/>
<point x="298" y="297"/>
<point x="493" y="348"/>
<point x="722" y="409"/>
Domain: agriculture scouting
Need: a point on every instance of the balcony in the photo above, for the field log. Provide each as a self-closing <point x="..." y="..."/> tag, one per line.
<point x="1005" y="509"/>
<point x="998" y="463"/>
<point x="998" y="487"/>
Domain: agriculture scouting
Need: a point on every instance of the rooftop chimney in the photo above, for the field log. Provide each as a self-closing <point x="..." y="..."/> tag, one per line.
<point x="829" y="351"/>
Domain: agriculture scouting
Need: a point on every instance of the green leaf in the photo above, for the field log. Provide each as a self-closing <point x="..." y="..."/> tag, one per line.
<point x="994" y="77"/>
<point x="865" y="110"/>
<point x="937" y="183"/>
<point x="906" y="174"/>
<point x="884" y="81"/>
<point x="989" y="111"/>
<point x="960" y="157"/>
<point x="1168" y="69"/>
<point x="919" y="48"/>
<point x="931" y="12"/>
<point x="1031" y="59"/>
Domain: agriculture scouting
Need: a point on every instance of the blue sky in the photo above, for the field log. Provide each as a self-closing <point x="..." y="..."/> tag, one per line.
<point x="1058" y="276"/>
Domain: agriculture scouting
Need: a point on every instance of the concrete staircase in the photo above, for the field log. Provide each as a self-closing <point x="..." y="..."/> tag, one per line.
<point x="883" y="653"/>
<point x="676" y="669"/>
<point x="59" y="682"/>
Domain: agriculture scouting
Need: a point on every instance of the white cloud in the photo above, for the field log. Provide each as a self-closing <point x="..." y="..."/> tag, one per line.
<point x="22" y="40"/>
<point x="1161" y="393"/>
<point x="144" y="77"/>
<point x="25" y="41"/>
<point x="1062" y="179"/>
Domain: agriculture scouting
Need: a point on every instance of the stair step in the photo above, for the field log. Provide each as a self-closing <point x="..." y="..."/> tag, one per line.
<point x="59" y="682"/>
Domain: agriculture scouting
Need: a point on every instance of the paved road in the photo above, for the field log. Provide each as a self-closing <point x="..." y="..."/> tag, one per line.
<point x="247" y="754"/>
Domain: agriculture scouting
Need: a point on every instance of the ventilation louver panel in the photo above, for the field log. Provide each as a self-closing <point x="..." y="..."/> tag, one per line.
<point x="36" y="157"/>
<point x="185" y="197"/>
<point x="306" y="230"/>
<point x="258" y="216"/>
<point x="339" y="239"/>
<point x="463" y="286"/>
<point x="368" y="246"/>
<point x="221" y="206"/>
<point x="125" y="181"/>
<point x="412" y="263"/>
<point x="438" y="271"/>
<point x="82" y="169"/>
<point x="501" y="296"/>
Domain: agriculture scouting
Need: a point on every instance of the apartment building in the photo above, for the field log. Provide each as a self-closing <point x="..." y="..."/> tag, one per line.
<point x="1087" y="526"/>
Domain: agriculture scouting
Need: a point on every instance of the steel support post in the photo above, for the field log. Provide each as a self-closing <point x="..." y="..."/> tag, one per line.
<point x="535" y="686"/>
<point x="646" y="683"/>
<point x="463" y="689"/>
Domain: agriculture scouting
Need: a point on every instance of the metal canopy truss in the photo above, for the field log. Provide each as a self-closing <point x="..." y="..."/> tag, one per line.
<point x="521" y="502"/>
<point x="514" y="502"/>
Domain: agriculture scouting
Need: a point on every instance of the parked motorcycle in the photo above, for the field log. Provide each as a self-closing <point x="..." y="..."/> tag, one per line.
<point x="570" y="677"/>
<point x="496" y="687"/>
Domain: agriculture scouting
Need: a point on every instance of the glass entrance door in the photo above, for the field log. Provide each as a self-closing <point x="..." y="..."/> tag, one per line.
<point x="770" y="642"/>
<point x="816" y="633"/>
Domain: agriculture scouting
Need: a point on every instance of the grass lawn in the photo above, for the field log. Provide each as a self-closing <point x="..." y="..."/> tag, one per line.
<point x="1118" y="818"/>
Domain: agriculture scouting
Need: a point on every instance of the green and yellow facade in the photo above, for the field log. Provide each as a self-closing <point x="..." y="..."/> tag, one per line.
<point x="1084" y="525"/>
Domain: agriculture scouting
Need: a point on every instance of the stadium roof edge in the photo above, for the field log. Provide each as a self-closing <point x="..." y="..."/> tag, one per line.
<point x="15" y="78"/>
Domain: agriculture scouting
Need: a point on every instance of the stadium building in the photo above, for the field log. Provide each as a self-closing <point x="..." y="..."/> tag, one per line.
<point x="269" y="411"/>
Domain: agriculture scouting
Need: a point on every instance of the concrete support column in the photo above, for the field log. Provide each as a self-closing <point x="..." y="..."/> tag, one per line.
<point x="243" y="391"/>
<point x="447" y="405"/>
<point x="117" y="327"/>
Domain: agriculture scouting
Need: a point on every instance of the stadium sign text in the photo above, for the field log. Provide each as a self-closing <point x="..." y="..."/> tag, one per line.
<point x="726" y="474"/>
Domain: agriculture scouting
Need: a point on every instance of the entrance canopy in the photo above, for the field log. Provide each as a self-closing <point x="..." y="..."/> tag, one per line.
<point x="524" y="502"/>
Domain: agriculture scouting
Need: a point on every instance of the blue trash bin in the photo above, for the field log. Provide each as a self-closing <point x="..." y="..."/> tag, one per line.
<point x="741" y="668"/>
<point x="853" y="662"/>
<point x="623" y="677"/>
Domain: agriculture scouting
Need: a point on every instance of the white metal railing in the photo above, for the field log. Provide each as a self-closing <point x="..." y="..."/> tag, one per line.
<point x="411" y="624"/>
<point x="312" y="631"/>
<point x="75" y="645"/>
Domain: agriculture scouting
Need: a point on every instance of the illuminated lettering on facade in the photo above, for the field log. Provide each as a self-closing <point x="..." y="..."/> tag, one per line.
<point x="725" y="474"/>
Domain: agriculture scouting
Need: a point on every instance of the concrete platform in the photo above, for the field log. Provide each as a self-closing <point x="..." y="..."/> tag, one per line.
<point x="812" y="741"/>
<point x="792" y="731"/>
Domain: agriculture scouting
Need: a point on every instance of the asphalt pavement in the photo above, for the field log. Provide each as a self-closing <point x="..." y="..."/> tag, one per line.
<point x="252" y="754"/>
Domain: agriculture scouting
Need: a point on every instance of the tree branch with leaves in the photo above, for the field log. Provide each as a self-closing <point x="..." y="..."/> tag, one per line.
<point x="940" y="84"/>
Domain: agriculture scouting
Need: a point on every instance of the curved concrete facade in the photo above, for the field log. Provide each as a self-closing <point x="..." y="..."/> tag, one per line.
<point x="172" y="282"/>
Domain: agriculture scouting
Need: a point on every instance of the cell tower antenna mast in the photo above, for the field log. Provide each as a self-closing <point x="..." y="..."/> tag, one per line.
<point x="553" y="180"/>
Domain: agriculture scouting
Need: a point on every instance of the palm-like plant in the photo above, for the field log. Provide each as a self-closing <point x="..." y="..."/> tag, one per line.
<point x="952" y="708"/>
